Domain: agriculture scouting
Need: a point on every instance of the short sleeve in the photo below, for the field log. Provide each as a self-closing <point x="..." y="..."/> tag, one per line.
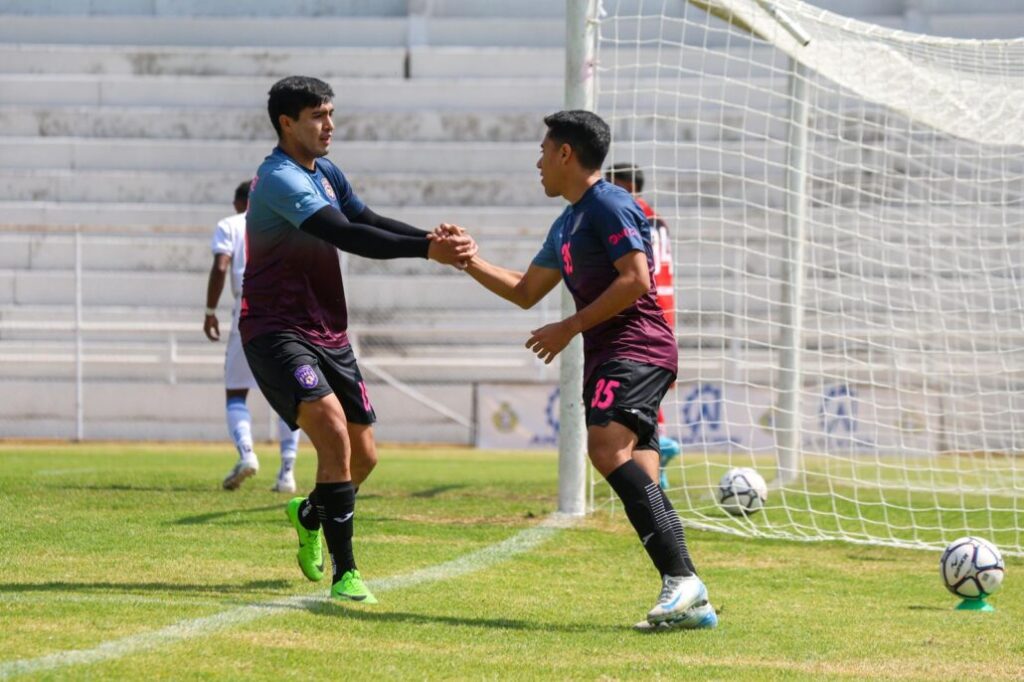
<point x="547" y="257"/>
<point x="291" y="195"/>
<point x="222" y="243"/>
<point x="348" y="201"/>
<point x="620" y="229"/>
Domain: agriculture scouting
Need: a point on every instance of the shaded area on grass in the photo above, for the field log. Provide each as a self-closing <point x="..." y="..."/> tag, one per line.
<point x="218" y="588"/>
<point x="210" y="516"/>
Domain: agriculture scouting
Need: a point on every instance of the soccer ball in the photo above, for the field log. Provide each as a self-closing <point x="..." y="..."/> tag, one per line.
<point x="972" y="568"/>
<point x="742" y="491"/>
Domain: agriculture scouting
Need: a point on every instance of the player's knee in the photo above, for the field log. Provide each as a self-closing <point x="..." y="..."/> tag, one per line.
<point x="368" y="459"/>
<point x="607" y="457"/>
<point x="323" y="416"/>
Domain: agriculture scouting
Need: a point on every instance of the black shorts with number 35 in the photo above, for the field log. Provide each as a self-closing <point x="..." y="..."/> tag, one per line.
<point x="628" y="393"/>
<point x="289" y="370"/>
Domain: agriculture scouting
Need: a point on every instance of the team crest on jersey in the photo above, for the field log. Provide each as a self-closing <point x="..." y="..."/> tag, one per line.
<point x="326" y="184"/>
<point x="306" y="377"/>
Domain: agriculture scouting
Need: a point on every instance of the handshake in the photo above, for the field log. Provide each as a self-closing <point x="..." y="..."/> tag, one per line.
<point x="451" y="245"/>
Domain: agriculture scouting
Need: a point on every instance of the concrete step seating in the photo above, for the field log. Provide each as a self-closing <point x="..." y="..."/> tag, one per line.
<point x="136" y="119"/>
<point x="689" y="188"/>
<point x="352" y="94"/>
<point x="507" y="221"/>
<point x="741" y="240"/>
<point x="428" y="125"/>
<point x="440" y="289"/>
<point x="418" y="61"/>
<point x="251" y="123"/>
<point x="436" y="8"/>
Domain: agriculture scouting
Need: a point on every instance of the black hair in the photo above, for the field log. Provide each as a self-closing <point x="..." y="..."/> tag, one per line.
<point x="584" y="131"/>
<point x="242" y="191"/>
<point x="628" y="172"/>
<point x="289" y="96"/>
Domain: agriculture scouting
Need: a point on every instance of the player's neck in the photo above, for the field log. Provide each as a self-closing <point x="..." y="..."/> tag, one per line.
<point x="297" y="154"/>
<point x="578" y="186"/>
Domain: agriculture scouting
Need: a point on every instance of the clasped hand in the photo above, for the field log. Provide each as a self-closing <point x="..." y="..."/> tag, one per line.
<point x="451" y="245"/>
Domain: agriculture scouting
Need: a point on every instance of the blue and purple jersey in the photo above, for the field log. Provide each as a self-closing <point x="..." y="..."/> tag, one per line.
<point x="292" y="279"/>
<point x="584" y="243"/>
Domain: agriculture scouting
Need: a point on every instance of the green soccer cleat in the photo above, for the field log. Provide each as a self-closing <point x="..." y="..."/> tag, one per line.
<point x="352" y="587"/>
<point x="311" y="554"/>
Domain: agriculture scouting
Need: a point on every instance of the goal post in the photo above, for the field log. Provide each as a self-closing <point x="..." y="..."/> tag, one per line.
<point x="846" y="210"/>
<point x="581" y="45"/>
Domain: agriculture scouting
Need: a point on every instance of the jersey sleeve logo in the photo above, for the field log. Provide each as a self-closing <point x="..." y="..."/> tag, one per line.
<point x="328" y="188"/>
<point x="626" y="233"/>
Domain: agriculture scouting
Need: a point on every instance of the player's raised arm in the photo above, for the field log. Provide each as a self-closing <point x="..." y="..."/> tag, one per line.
<point x="524" y="289"/>
<point x="371" y="241"/>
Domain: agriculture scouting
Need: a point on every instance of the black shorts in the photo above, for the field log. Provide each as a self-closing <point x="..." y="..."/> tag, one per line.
<point x="630" y="394"/>
<point x="289" y="369"/>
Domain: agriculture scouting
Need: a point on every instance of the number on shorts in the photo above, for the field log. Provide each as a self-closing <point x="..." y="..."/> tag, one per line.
<point x="604" y="393"/>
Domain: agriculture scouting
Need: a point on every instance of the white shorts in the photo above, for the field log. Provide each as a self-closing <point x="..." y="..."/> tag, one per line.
<point x="237" y="374"/>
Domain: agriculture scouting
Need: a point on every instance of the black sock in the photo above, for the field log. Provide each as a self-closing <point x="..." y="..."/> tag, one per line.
<point x="336" y="505"/>
<point x="677" y="530"/>
<point x="652" y="517"/>
<point x="308" y="516"/>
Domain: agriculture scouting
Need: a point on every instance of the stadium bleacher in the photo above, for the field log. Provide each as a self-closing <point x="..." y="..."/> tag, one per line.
<point x="133" y="120"/>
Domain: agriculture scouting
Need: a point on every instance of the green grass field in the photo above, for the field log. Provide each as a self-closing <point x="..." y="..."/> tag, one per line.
<point x="128" y="562"/>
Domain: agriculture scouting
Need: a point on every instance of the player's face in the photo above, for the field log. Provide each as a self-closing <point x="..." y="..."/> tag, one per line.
<point x="552" y="166"/>
<point x="314" y="128"/>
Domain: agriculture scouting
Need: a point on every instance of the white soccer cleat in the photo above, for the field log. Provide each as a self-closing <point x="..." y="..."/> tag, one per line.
<point x="678" y="595"/>
<point x="245" y="468"/>
<point x="285" y="483"/>
<point x="701" y="617"/>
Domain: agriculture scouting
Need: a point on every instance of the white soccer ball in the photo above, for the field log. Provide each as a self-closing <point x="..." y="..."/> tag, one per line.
<point x="972" y="568"/>
<point x="742" y="491"/>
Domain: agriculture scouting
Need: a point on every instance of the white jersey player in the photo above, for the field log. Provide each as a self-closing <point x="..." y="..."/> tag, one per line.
<point x="228" y="246"/>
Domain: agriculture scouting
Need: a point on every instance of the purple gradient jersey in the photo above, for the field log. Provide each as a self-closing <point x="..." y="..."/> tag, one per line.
<point x="584" y="243"/>
<point x="292" y="279"/>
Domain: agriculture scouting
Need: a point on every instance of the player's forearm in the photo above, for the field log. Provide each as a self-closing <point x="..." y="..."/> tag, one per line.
<point x="368" y="217"/>
<point x="215" y="286"/>
<point x="622" y="293"/>
<point x="363" y="240"/>
<point x="498" y="280"/>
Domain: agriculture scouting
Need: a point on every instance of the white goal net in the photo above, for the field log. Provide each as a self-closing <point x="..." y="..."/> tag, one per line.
<point x="846" y="210"/>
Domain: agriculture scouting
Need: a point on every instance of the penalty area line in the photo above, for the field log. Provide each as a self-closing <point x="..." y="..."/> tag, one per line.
<point x="478" y="560"/>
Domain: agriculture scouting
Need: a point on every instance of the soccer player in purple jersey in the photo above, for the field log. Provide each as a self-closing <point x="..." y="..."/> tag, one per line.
<point x="294" y="319"/>
<point x="601" y="248"/>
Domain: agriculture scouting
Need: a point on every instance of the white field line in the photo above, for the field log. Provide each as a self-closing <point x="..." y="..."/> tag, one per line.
<point x="108" y="598"/>
<point x="188" y="629"/>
